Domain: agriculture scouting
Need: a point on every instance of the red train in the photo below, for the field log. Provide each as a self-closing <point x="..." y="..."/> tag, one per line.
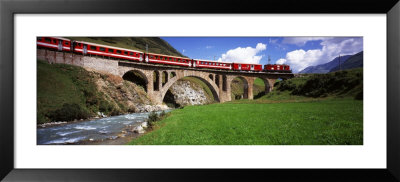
<point x="87" y="48"/>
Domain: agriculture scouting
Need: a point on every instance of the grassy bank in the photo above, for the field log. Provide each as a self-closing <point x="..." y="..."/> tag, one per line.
<point x="331" y="121"/>
<point x="67" y="92"/>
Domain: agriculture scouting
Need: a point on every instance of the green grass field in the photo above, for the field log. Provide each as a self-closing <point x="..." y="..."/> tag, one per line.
<point x="325" y="122"/>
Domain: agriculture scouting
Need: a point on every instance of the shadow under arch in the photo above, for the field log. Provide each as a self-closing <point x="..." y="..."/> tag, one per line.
<point x="137" y="77"/>
<point x="215" y="95"/>
<point x="237" y="84"/>
<point x="266" y="88"/>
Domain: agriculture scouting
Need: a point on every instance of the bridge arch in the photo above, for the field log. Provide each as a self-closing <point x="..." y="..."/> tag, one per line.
<point x="259" y="92"/>
<point x="137" y="77"/>
<point x="213" y="87"/>
<point x="235" y="84"/>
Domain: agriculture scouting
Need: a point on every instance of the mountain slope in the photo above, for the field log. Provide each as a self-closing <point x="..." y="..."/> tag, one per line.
<point x="155" y="44"/>
<point x="355" y="61"/>
<point x="325" y="68"/>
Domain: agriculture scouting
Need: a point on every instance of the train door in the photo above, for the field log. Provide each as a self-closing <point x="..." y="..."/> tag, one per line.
<point x="252" y="67"/>
<point x="84" y="49"/>
<point x="239" y="67"/>
<point x="147" y="58"/>
<point x="60" y="46"/>
<point x="194" y="63"/>
<point x="140" y="57"/>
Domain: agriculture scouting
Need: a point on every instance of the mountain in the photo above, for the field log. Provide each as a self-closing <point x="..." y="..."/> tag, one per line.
<point x="155" y="44"/>
<point x="325" y="68"/>
<point x="355" y="61"/>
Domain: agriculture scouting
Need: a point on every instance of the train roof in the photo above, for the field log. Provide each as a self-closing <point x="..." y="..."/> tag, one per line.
<point x="56" y="38"/>
<point x="246" y="63"/>
<point x="278" y="64"/>
<point x="168" y="55"/>
<point x="211" y="61"/>
<point x="90" y="43"/>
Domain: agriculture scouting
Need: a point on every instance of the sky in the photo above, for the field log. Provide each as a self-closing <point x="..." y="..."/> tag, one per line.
<point x="298" y="52"/>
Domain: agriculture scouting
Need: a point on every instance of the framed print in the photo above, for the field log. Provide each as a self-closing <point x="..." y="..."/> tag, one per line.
<point x="248" y="54"/>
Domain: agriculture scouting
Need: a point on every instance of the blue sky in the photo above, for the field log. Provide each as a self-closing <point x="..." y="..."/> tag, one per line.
<point x="299" y="52"/>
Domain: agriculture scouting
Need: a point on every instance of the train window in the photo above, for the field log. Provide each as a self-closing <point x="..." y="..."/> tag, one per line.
<point x="39" y="38"/>
<point x="102" y="49"/>
<point x="111" y="50"/>
<point x="174" y="59"/>
<point x="126" y="52"/>
<point x="119" y="52"/>
<point x="92" y="48"/>
<point x="156" y="57"/>
<point x="47" y="39"/>
<point x="140" y="55"/>
<point x="151" y="57"/>
<point x="179" y="60"/>
<point x="67" y="43"/>
<point x="55" y="41"/>
<point x="170" y="59"/>
<point x="131" y="53"/>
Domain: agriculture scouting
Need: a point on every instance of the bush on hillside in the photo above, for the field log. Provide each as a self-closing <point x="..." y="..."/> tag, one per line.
<point x="69" y="112"/>
<point x="321" y="85"/>
<point x="153" y="117"/>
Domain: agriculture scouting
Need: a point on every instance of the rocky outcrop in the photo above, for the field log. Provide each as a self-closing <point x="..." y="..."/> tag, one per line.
<point x="124" y="95"/>
<point x="188" y="93"/>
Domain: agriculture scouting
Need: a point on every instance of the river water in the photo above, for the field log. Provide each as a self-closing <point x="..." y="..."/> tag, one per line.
<point x="97" y="131"/>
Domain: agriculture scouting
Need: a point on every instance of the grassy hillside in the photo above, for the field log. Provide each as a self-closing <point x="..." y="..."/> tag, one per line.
<point x="355" y="61"/>
<point x="328" y="122"/>
<point x="63" y="89"/>
<point x="67" y="92"/>
<point x="348" y="83"/>
<point x="155" y="44"/>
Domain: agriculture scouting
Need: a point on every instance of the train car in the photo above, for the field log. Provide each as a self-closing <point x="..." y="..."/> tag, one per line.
<point x="168" y="60"/>
<point x="246" y="67"/>
<point x="55" y="43"/>
<point x="211" y="64"/>
<point x="277" y="68"/>
<point x="87" y="48"/>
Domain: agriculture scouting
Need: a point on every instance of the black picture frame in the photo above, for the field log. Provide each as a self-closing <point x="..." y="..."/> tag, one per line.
<point x="9" y="8"/>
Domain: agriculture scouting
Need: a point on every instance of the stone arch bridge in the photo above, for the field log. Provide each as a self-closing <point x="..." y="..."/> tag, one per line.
<point x="159" y="78"/>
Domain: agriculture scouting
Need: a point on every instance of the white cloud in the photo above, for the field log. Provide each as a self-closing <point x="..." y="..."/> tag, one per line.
<point x="331" y="48"/>
<point x="301" y="41"/>
<point x="183" y="51"/>
<point x="281" y="61"/>
<point x="244" y="55"/>
<point x="209" y="47"/>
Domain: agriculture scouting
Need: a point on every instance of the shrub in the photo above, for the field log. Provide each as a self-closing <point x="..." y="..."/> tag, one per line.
<point x="359" y="96"/>
<point x="69" y="112"/>
<point x="153" y="117"/>
<point x="162" y="114"/>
